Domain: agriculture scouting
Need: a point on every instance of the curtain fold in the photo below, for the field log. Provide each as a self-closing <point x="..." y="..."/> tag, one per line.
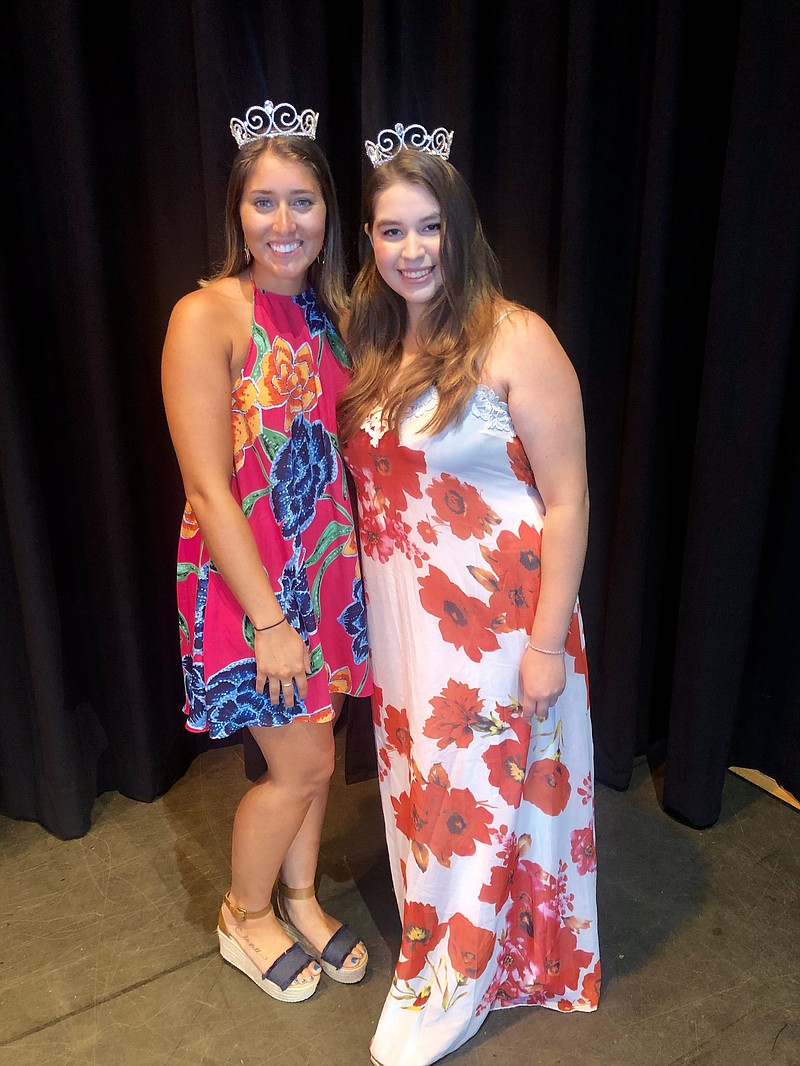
<point x="636" y="168"/>
<point x="752" y="323"/>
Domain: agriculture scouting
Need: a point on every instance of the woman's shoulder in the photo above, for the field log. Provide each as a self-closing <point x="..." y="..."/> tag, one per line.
<point x="214" y="305"/>
<point x="515" y="322"/>
<point x="519" y="331"/>
<point x="523" y="347"/>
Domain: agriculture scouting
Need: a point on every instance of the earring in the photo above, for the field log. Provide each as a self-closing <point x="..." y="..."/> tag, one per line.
<point x="321" y="256"/>
<point x="247" y="254"/>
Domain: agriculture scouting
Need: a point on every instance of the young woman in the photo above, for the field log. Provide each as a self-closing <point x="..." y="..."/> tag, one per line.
<point x="269" y="589"/>
<point x="463" y="428"/>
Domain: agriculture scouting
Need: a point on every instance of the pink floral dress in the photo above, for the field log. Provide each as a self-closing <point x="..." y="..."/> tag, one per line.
<point x="289" y="479"/>
<point x="490" y="822"/>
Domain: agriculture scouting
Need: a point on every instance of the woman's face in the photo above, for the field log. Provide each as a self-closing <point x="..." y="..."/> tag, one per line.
<point x="283" y="221"/>
<point x="406" y="239"/>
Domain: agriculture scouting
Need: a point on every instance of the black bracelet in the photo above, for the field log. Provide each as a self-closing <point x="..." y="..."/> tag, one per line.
<point x="263" y="629"/>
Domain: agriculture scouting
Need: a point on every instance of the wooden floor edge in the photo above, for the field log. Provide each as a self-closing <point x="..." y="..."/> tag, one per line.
<point x="769" y="784"/>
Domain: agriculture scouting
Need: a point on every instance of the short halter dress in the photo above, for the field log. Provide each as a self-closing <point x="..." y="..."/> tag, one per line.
<point x="489" y="821"/>
<point x="289" y="479"/>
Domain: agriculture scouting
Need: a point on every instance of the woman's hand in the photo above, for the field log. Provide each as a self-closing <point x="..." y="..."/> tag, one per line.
<point x="542" y="680"/>
<point x="282" y="661"/>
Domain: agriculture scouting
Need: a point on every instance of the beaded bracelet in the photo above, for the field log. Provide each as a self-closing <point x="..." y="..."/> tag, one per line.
<point x="546" y="651"/>
<point x="263" y="629"/>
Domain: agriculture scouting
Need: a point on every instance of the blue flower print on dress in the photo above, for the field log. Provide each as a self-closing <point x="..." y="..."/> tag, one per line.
<point x="318" y="322"/>
<point x="233" y="702"/>
<point x="193" y="679"/>
<point x="316" y="319"/>
<point x="302" y="469"/>
<point x="195" y="688"/>
<point x="354" y="620"/>
<point x="200" y="610"/>
<point x="294" y="596"/>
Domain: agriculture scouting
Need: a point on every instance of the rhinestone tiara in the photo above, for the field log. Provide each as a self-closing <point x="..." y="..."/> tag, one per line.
<point x="391" y="141"/>
<point x="274" y="120"/>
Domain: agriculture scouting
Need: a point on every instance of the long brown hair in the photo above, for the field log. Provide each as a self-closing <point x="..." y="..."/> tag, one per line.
<point x="327" y="275"/>
<point x="457" y="325"/>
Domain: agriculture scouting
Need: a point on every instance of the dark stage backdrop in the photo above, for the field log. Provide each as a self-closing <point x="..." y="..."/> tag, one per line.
<point x="636" y="166"/>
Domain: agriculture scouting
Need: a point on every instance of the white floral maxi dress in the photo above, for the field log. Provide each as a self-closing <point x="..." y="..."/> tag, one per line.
<point x="490" y="822"/>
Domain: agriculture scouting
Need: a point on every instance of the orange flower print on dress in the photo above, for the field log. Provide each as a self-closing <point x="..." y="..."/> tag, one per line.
<point x="395" y="726"/>
<point x="547" y="785"/>
<point x="462" y="507"/>
<point x="514" y="578"/>
<point x="422" y="931"/>
<point x="470" y="948"/>
<point x="502" y="878"/>
<point x="462" y="824"/>
<point x="398" y="468"/>
<point x="426" y="804"/>
<point x="498" y="887"/>
<point x="582" y="847"/>
<point x="427" y="532"/>
<point x="520" y="464"/>
<point x="245" y="420"/>
<point x="351" y="544"/>
<point x="386" y="470"/>
<point x="375" y="539"/>
<point x="506" y="763"/>
<point x="189" y="526"/>
<point x="464" y="621"/>
<point x="590" y="989"/>
<point x="289" y="378"/>
<point x="340" y="680"/>
<point x="455" y="713"/>
<point x="556" y="957"/>
<point x="403" y="813"/>
<point x="574" y="647"/>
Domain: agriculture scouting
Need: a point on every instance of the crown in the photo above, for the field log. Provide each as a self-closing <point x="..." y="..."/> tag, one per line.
<point x="274" y="120"/>
<point x="391" y="141"/>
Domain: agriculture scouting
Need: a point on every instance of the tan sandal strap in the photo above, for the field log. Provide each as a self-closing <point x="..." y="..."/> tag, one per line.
<point x="296" y="893"/>
<point x="240" y="913"/>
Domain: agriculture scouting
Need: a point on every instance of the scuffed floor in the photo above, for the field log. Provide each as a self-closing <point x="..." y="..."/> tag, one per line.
<point x="108" y="955"/>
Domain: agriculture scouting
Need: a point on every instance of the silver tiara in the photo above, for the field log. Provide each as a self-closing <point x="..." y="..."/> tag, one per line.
<point x="274" y="120"/>
<point x="391" y="141"/>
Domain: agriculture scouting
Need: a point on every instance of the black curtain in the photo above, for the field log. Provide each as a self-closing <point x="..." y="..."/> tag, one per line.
<point x="636" y="167"/>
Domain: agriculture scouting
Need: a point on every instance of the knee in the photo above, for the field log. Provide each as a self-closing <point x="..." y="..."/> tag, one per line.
<point x="320" y="771"/>
<point x="309" y="776"/>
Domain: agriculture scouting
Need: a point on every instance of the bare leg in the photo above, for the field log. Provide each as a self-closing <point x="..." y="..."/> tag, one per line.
<point x="300" y="868"/>
<point x="300" y="759"/>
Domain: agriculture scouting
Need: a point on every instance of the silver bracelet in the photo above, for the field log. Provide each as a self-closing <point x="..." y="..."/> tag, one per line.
<point x="546" y="651"/>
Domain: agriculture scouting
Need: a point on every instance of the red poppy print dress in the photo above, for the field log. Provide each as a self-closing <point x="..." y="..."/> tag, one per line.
<point x="490" y="821"/>
<point x="289" y="479"/>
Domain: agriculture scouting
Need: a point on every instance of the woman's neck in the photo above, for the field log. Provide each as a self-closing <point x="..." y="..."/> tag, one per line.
<point x="411" y="347"/>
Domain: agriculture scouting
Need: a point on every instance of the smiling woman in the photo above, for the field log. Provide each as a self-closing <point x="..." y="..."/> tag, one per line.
<point x="463" y="429"/>
<point x="283" y="222"/>
<point x="406" y="239"/>
<point x="269" y="589"/>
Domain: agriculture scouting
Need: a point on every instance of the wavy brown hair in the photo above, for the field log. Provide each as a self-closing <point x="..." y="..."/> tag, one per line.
<point x="457" y="325"/>
<point x="327" y="277"/>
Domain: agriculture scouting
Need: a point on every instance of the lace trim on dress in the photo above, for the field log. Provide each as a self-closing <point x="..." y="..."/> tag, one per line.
<point x="484" y="402"/>
<point x="488" y="406"/>
<point x="375" y="426"/>
<point x="427" y="399"/>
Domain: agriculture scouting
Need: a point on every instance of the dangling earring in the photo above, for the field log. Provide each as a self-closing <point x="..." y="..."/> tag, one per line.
<point x="321" y="256"/>
<point x="247" y="254"/>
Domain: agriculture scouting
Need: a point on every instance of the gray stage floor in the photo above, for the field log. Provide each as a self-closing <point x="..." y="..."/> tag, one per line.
<point x="108" y="955"/>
